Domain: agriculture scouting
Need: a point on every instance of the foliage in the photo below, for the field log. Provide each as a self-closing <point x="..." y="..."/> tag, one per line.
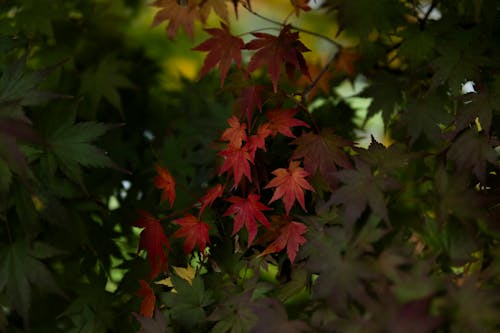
<point x="244" y="203"/>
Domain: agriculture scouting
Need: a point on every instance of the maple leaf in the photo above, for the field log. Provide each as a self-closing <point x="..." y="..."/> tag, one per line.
<point x="362" y="188"/>
<point x="245" y="212"/>
<point x="236" y="159"/>
<point x="322" y="152"/>
<point x="165" y="182"/>
<point x="299" y="5"/>
<point x="219" y="7"/>
<point x="222" y="49"/>
<point x="195" y="232"/>
<point x="153" y="240"/>
<point x="157" y="324"/>
<point x="290" y="236"/>
<point x="258" y="140"/>
<point x="249" y="99"/>
<point x="236" y="133"/>
<point x="210" y="196"/>
<point x="148" y="299"/>
<point x="345" y="61"/>
<point x="178" y="15"/>
<point x="472" y="151"/>
<point x="290" y="185"/>
<point x="274" y="51"/>
<point x="281" y="121"/>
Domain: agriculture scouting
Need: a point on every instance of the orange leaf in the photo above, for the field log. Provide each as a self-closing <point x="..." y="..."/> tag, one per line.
<point x="281" y="121"/>
<point x="246" y="212"/>
<point x="345" y="61"/>
<point x="300" y="5"/>
<point x="258" y="141"/>
<point x="219" y="7"/>
<point x="236" y="133"/>
<point x="290" y="236"/>
<point x="165" y="182"/>
<point x="237" y="160"/>
<point x="148" y="299"/>
<point x="222" y="49"/>
<point x="195" y="232"/>
<point x="210" y="197"/>
<point x="274" y="51"/>
<point x="290" y="185"/>
<point x="153" y="241"/>
<point x="178" y="14"/>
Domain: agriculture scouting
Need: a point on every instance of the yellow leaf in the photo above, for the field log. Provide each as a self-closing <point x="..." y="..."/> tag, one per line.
<point x="166" y="282"/>
<point x="187" y="273"/>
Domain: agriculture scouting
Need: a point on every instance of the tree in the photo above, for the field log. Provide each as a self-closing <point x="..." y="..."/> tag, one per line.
<point x="276" y="218"/>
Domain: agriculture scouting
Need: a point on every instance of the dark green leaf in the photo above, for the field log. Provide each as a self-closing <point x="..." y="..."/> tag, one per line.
<point x="20" y="270"/>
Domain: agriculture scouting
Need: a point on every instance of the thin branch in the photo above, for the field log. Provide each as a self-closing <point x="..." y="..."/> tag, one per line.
<point x="309" y="32"/>
<point x="317" y="78"/>
<point x="423" y="21"/>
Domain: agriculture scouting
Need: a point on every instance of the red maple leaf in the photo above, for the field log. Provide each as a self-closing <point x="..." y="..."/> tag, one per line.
<point x="323" y="153"/>
<point x="273" y="51"/>
<point x="237" y="160"/>
<point x="222" y="49"/>
<point x="195" y="232"/>
<point x="290" y="236"/>
<point x="282" y="120"/>
<point x="153" y="241"/>
<point x="178" y="13"/>
<point x="246" y="212"/>
<point x="165" y="182"/>
<point x="210" y="196"/>
<point x="236" y="133"/>
<point x="290" y="185"/>
<point x="249" y="99"/>
<point x="258" y="140"/>
<point x="148" y="299"/>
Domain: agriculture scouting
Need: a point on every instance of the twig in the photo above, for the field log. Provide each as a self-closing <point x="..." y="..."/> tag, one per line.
<point x="317" y="78"/>
<point x="309" y="32"/>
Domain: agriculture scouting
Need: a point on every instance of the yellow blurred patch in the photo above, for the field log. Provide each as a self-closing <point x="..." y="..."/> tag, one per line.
<point x="187" y="274"/>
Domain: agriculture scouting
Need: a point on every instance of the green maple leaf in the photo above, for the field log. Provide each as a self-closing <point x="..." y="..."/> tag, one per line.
<point x="480" y="106"/>
<point x="418" y="45"/>
<point x="18" y="88"/>
<point x="104" y="81"/>
<point x="188" y="303"/>
<point x="21" y="269"/>
<point x="70" y="145"/>
<point x="424" y="117"/>
<point x="363" y="16"/>
<point x="90" y="310"/>
<point x="36" y="16"/>
<point x="386" y="95"/>
<point x="460" y="59"/>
